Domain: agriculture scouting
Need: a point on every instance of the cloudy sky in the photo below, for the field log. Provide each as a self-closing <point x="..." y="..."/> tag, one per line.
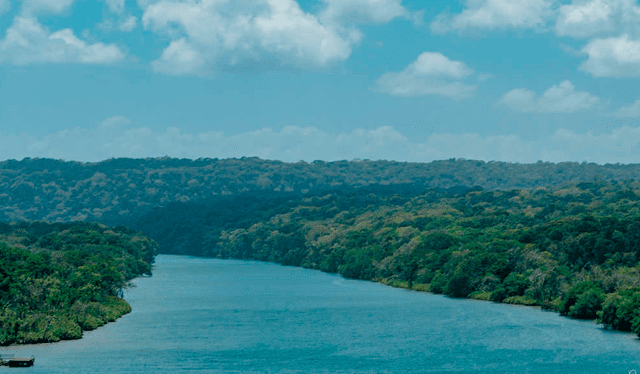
<point x="507" y="80"/>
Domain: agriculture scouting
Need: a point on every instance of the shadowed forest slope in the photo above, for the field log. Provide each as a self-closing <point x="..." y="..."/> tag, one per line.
<point x="574" y="249"/>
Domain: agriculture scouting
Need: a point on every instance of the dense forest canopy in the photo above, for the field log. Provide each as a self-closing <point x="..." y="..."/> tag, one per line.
<point x="114" y="190"/>
<point x="563" y="236"/>
<point x="57" y="280"/>
<point x="574" y="249"/>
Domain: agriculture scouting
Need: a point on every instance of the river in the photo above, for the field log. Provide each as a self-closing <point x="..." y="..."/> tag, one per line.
<point x="228" y="316"/>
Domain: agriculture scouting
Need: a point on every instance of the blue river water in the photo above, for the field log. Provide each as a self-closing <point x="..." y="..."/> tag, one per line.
<point x="228" y="316"/>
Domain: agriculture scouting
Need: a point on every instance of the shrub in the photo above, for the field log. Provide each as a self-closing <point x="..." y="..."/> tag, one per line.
<point x="589" y="303"/>
<point x="438" y="283"/>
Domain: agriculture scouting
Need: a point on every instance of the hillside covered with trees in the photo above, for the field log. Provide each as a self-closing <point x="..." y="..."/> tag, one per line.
<point x="58" y="280"/>
<point x="118" y="191"/>
<point x="562" y="236"/>
<point x="574" y="249"/>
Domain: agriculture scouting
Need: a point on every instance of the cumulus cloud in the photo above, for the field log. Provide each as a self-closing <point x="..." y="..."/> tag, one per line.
<point x="562" y="98"/>
<point x="586" y="18"/>
<point x="223" y="30"/>
<point x="349" y="11"/>
<point x="128" y="24"/>
<point x="179" y="58"/>
<point x="116" y="6"/>
<point x="27" y="42"/>
<point x="119" y="137"/>
<point x="612" y="57"/>
<point x="287" y="28"/>
<point x="495" y="14"/>
<point x="632" y="110"/>
<point x="431" y="74"/>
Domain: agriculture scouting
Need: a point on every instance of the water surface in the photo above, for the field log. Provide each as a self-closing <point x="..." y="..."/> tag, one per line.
<point x="227" y="316"/>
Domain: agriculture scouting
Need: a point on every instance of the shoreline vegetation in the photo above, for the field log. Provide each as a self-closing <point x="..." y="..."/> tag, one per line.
<point x="462" y="228"/>
<point x="573" y="249"/>
<point x="58" y="280"/>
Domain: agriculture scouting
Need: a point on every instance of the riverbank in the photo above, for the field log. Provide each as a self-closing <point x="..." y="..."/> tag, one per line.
<point x="476" y="295"/>
<point x="575" y="249"/>
<point x="58" y="280"/>
<point x="480" y="296"/>
<point x="35" y="328"/>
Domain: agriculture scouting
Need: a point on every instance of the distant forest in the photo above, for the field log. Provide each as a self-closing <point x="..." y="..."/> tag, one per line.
<point x="562" y="236"/>
<point x="117" y="190"/>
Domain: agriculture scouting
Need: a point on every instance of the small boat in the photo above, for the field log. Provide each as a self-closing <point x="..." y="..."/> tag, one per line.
<point x="11" y="361"/>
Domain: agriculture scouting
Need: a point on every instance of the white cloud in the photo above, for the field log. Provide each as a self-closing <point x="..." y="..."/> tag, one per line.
<point x="495" y="14"/>
<point x="241" y="29"/>
<point x="287" y="28"/>
<point x="129" y="24"/>
<point x="612" y="57"/>
<point x="350" y="11"/>
<point x="28" y="42"/>
<point x="179" y="58"/>
<point x="118" y="137"/>
<point x="632" y="110"/>
<point x="619" y="145"/>
<point x="5" y="5"/>
<point x="116" y="6"/>
<point x="562" y="98"/>
<point x="586" y="18"/>
<point x="431" y="74"/>
<point x="115" y="122"/>
<point x="520" y="98"/>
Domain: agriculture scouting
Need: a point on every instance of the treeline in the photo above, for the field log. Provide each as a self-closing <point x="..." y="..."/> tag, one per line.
<point x="117" y="191"/>
<point x="188" y="228"/>
<point x="58" y="280"/>
<point x="574" y="249"/>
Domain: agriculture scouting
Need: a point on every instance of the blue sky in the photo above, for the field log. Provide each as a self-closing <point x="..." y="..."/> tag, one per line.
<point x="507" y="80"/>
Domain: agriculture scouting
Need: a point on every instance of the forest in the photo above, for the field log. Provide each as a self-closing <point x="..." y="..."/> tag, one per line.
<point x="119" y="191"/>
<point x="565" y="237"/>
<point x="58" y="280"/>
<point x="574" y="249"/>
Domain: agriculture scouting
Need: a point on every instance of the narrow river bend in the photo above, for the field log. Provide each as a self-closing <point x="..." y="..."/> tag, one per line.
<point x="227" y="316"/>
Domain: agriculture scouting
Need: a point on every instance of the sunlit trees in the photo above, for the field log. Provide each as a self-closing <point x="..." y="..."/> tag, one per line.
<point x="61" y="279"/>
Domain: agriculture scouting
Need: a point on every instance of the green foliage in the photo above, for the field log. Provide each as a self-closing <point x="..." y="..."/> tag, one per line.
<point x="460" y="285"/>
<point x="479" y="295"/>
<point x="520" y="235"/>
<point x="438" y="283"/>
<point x="583" y="301"/>
<point x="520" y="300"/>
<point x="587" y="305"/>
<point x="62" y="279"/>
<point x="567" y="248"/>
<point x="421" y="287"/>
<point x="513" y="285"/>
<point x="178" y="202"/>
<point x="621" y="311"/>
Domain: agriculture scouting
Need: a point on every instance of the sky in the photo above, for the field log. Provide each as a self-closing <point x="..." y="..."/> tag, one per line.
<point x="290" y="80"/>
